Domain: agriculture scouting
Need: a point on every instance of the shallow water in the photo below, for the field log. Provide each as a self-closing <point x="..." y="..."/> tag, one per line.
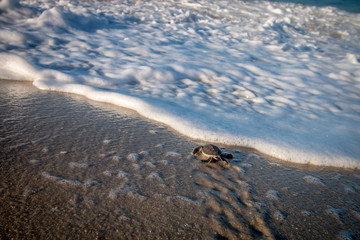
<point x="74" y="168"/>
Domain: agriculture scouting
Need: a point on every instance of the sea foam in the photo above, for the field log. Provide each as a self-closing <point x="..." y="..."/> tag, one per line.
<point x="278" y="77"/>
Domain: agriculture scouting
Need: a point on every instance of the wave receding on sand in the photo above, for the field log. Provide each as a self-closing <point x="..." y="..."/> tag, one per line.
<point x="209" y="71"/>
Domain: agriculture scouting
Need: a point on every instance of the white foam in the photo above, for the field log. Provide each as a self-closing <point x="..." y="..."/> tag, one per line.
<point x="107" y="141"/>
<point x="153" y="132"/>
<point x="273" y="195"/>
<point x="122" y="174"/>
<point x="116" y="158"/>
<point x="136" y="196"/>
<point x="34" y="161"/>
<point x="150" y="164"/>
<point x="51" y="176"/>
<point x="279" y="216"/>
<point x="45" y="149"/>
<point x="144" y="153"/>
<point x="173" y="154"/>
<point x="110" y="173"/>
<point x="163" y="162"/>
<point x="334" y="212"/>
<point x="91" y="182"/>
<point x="154" y="176"/>
<point x="80" y="164"/>
<point x="108" y="154"/>
<point x="313" y="180"/>
<point x="125" y="192"/>
<point x="18" y="145"/>
<point x="115" y="193"/>
<point x="253" y="75"/>
<point x="246" y="165"/>
<point x="306" y="213"/>
<point x="70" y="182"/>
<point x="133" y="157"/>
<point x="183" y="199"/>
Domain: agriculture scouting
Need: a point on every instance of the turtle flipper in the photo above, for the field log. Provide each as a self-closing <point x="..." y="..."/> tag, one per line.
<point x="212" y="159"/>
<point x="224" y="159"/>
<point x="227" y="156"/>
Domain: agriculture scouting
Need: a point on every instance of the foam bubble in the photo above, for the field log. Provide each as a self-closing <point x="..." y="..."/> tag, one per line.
<point x="45" y="149"/>
<point x="334" y="212"/>
<point x="125" y="192"/>
<point x="173" y="154"/>
<point x="107" y="141"/>
<point x="279" y="216"/>
<point x="145" y="153"/>
<point x="50" y="176"/>
<point x="183" y="199"/>
<point x="70" y="182"/>
<point x="133" y="157"/>
<point x="19" y="145"/>
<point x="273" y="195"/>
<point x="153" y="132"/>
<point x="80" y="164"/>
<point x="150" y="164"/>
<point x="34" y="161"/>
<point x="306" y="212"/>
<point x="115" y="193"/>
<point x="110" y="173"/>
<point x="116" y="158"/>
<point x="164" y="162"/>
<point x="155" y="176"/>
<point x="122" y="174"/>
<point x="246" y="165"/>
<point x="136" y="196"/>
<point x="108" y="154"/>
<point x="91" y="182"/>
<point x="313" y="180"/>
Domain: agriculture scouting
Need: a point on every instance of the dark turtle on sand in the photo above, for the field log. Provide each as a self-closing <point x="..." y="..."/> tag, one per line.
<point x="211" y="153"/>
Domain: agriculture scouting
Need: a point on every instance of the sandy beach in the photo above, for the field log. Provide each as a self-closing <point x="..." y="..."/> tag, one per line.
<point x="72" y="168"/>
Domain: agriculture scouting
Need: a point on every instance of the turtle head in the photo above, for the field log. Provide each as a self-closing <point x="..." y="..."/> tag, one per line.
<point x="196" y="150"/>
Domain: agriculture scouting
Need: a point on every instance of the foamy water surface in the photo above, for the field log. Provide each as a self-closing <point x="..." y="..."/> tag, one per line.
<point x="279" y="77"/>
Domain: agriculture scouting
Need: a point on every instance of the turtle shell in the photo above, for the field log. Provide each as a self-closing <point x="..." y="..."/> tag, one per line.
<point x="210" y="149"/>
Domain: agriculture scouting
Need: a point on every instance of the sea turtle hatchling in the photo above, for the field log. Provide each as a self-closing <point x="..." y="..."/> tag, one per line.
<point x="211" y="153"/>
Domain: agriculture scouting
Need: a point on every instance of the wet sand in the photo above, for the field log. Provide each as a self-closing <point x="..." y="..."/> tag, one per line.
<point x="71" y="168"/>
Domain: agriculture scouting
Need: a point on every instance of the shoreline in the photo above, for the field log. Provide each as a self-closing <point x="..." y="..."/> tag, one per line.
<point x="102" y="171"/>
